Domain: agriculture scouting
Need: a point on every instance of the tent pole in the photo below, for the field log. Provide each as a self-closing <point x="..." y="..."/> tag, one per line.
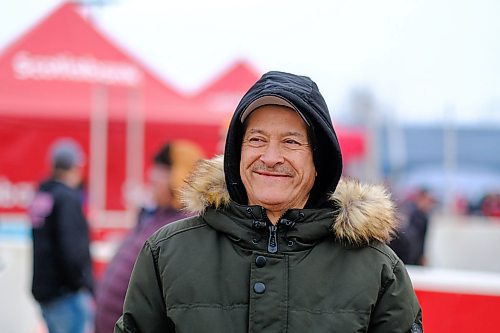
<point x="98" y="154"/>
<point x="133" y="190"/>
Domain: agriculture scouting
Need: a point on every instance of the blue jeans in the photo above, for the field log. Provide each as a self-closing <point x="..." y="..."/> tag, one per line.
<point x="71" y="313"/>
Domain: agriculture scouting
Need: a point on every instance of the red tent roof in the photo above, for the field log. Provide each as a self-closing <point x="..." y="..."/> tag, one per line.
<point x="56" y="67"/>
<point x="221" y="96"/>
<point x="237" y="78"/>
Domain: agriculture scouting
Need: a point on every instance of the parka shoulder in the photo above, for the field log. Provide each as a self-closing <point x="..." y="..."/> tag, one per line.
<point x="176" y="228"/>
<point x="364" y="214"/>
<point x="385" y="251"/>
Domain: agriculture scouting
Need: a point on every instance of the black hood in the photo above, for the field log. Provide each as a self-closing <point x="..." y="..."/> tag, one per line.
<point x="303" y="94"/>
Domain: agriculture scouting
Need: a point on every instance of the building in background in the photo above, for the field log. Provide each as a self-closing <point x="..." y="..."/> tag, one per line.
<point x="460" y="165"/>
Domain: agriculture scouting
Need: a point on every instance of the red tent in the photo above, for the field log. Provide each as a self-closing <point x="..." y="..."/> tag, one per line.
<point x="64" y="78"/>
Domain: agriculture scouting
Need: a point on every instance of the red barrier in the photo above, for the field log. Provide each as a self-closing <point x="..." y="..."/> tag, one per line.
<point x="451" y="312"/>
<point x="457" y="301"/>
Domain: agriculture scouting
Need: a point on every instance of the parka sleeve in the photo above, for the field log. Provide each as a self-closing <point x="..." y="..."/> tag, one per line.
<point x="397" y="308"/>
<point x="144" y="308"/>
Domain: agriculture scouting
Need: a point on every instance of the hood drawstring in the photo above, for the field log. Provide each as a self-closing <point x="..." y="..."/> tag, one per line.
<point x="289" y="225"/>
<point x="286" y="224"/>
<point x="257" y="224"/>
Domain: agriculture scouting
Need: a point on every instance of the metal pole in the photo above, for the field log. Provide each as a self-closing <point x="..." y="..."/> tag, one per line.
<point x="135" y="150"/>
<point x="449" y="159"/>
<point x="373" y="173"/>
<point x="98" y="153"/>
<point x="396" y="142"/>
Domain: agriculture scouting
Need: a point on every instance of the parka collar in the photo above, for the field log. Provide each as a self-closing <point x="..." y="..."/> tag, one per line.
<point x="359" y="214"/>
<point x="298" y="229"/>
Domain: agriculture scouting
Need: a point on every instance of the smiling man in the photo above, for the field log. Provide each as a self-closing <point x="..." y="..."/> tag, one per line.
<point x="279" y="242"/>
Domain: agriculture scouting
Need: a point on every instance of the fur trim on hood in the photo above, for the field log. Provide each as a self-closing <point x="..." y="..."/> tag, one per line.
<point x="365" y="212"/>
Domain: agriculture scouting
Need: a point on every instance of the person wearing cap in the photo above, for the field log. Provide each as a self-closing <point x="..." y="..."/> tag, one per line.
<point x="171" y="165"/>
<point x="279" y="243"/>
<point x="62" y="268"/>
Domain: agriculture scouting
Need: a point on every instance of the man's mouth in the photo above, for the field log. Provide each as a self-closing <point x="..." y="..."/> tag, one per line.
<point x="271" y="174"/>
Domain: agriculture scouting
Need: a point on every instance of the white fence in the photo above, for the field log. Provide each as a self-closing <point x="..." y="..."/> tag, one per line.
<point x="467" y="243"/>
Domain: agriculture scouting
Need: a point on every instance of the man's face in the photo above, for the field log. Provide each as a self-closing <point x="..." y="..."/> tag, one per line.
<point x="276" y="166"/>
<point x="73" y="176"/>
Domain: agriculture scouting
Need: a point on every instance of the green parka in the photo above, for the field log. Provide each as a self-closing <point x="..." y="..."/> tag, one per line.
<point x="229" y="270"/>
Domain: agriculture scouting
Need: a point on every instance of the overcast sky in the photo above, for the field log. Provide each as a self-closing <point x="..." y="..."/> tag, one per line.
<point x="418" y="58"/>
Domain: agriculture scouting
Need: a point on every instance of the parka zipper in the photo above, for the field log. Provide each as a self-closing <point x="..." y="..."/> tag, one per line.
<point x="272" y="244"/>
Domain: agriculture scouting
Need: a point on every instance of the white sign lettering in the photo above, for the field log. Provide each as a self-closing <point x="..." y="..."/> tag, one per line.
<point x="64" y="66"/>
<point x="14" y="195"/>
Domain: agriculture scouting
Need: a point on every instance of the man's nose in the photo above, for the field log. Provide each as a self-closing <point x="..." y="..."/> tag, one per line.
<point x="272" y="155"/>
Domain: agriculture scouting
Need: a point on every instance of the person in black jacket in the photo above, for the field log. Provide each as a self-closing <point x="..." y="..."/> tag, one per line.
<point x="62" y="268"/>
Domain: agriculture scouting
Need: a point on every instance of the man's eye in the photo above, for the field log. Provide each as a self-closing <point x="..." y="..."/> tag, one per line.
<point x="292" y="142"/>
<point x="255" y="141"/>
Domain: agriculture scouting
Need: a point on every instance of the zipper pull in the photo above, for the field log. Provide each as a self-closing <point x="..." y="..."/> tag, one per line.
<point x="272" y="244"/>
